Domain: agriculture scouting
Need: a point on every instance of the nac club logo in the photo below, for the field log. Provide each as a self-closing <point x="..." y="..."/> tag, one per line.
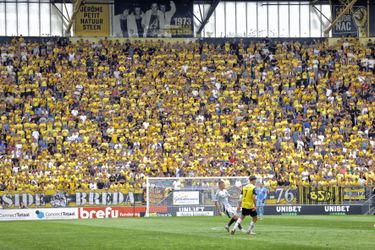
<point x="39" y="214"/>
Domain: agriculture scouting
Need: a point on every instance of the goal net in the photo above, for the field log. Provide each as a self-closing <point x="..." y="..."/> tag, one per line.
<point x="188" y="196"/>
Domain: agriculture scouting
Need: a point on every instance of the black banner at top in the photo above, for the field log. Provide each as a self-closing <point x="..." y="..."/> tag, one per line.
<point x="357" y="22"/>
<point x="371" y="9"/>
<point x="159" y="18"/>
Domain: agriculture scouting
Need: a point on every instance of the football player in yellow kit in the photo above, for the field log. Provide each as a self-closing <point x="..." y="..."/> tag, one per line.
<point x="248" y="204"/>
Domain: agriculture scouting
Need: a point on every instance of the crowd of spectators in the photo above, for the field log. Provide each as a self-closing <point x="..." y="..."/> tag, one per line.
<point x="88" y="115"/>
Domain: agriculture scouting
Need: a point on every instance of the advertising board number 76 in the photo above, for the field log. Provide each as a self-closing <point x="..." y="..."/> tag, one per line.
<point x="287" y="195"/>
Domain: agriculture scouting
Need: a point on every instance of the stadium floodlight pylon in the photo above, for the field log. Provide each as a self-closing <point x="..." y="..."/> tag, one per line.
<point x="188" y="196"/>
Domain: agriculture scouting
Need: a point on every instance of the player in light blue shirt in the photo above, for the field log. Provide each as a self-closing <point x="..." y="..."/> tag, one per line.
<point x="261" y="199"/>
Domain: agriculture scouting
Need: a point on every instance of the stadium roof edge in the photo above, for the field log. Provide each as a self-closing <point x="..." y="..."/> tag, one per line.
<point x="197" y="1"/>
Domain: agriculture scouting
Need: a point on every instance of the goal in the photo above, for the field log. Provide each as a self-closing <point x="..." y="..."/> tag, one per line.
<point x="188" y="196"/>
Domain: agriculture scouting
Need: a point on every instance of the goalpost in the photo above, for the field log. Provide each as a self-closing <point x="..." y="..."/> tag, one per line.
<point x="188" y="196"/>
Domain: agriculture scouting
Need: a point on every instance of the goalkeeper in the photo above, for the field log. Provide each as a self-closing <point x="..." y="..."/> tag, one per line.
<point x="261" y="192"/>
<point x="223" y="207"/>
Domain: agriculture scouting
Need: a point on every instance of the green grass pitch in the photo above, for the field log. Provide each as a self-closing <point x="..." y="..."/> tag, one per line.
<point x="274" y="232"/>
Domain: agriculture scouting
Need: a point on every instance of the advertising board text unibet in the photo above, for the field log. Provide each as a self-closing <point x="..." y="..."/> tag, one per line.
<point x="337" y="209"/>
<point x="288" y="209"/>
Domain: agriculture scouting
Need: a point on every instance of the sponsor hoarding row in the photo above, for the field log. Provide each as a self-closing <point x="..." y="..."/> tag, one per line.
<point x="78" y="213"/>
<point x="125" y="212"/>
<point x="194" y="211"/>
<point x="312" y="209"/>
<point x="273" y="210"/>
<point x="39" y="214"/>
<point x="117" y="212"/>
<point x="186" y="198"/>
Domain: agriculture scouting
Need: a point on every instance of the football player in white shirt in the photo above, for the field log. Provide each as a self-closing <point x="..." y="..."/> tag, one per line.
<point x="224" y="207"/>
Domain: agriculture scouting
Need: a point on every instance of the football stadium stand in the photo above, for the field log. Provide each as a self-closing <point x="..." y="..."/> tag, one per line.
<point x="85" y="115"/>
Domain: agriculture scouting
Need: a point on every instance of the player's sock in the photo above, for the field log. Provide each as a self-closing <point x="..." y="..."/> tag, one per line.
<point x="237" y="223"/>
<point x="239" y="226"/>
<point x="252" y="224"/>
<point x="231" y="222"/>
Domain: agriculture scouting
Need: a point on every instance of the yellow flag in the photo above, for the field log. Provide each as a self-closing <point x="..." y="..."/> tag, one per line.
<point x="92" y="20"/>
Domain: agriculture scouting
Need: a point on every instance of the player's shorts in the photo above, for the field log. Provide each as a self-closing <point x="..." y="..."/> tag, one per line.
<point x="229" y="211"/>
<point x="246" y="212"/>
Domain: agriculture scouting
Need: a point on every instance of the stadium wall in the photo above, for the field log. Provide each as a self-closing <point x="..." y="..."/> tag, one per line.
<point x="331" y="41"/>
<point x="126" y="197"/>
<point x="132" y="39"/>
<point x="8" y="39"/>
<point x="259" y="39"/>
<point x="363" y="40"/>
